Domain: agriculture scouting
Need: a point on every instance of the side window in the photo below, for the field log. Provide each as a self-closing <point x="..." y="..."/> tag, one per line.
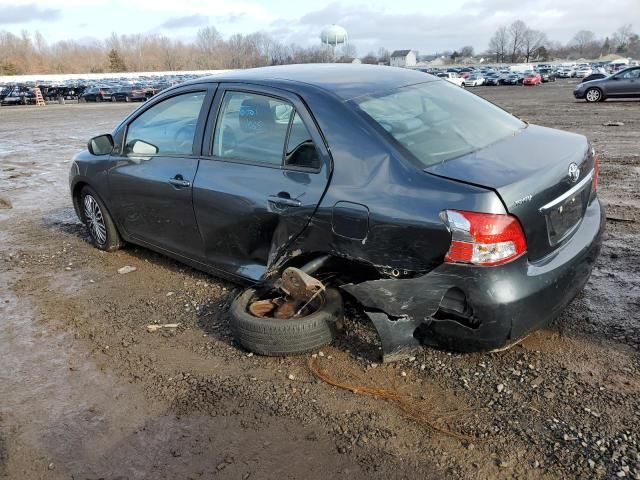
<point x="301" y="151"/>
<point x="252" y="127"/>
<point x="168" y="127"/>
<point x="629" y="74"/>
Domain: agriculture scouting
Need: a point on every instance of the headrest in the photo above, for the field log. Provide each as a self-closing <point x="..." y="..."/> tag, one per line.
<point x="255" y="114"/>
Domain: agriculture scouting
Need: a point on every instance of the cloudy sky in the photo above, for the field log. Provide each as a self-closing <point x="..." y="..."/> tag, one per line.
<point x="425" y="25"/>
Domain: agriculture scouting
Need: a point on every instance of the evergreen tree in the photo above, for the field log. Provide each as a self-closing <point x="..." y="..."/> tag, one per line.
<point x="116" y="62"/>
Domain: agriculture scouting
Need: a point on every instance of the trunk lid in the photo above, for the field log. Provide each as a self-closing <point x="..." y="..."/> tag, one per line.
<point x="530" y="173"/>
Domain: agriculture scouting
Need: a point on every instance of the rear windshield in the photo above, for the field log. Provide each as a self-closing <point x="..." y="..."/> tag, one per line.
<point x="438" y="121"/>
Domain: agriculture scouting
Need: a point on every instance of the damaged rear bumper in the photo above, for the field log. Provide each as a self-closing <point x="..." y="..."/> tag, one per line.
<point x="469" y="308"/>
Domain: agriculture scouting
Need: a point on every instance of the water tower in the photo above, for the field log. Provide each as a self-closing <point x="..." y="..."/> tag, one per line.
<point x="334" y="35"/>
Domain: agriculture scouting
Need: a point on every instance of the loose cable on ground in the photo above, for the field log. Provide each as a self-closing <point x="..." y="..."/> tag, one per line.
<point x="404" y="402"/>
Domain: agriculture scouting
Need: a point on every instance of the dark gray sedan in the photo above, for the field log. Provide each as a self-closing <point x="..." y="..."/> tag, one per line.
<point x="624" y="84"/>
<point x="450" y="221"/>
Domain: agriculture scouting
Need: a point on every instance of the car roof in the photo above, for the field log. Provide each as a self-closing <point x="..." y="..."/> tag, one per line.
<point x="347" y="81"/>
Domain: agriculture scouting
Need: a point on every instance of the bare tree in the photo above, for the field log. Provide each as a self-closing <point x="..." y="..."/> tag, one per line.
<point x="532" y="40"/>
<point x="583" y="39"/>
<point x="172" y="60"/>
<point x="208" y="44"/>
<point x="498" y="43"/>
<point x="517" y="31"/>
<point x="384" y="56"/>
<point x="349" y="50"/>
<point x="621" y="38"/>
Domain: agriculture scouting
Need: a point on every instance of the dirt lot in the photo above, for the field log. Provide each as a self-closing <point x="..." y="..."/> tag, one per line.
<point x="87" y="393"/>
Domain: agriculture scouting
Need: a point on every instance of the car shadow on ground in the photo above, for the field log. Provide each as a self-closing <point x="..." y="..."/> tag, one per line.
<point x="211" y="316"/>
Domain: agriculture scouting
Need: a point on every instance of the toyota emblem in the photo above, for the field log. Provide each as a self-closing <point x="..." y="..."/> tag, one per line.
<point x="574" y="172"/>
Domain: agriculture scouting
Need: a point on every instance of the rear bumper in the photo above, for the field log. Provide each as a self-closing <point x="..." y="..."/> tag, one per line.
<point x="513" y="300"/>
<point x="506" y="302"/>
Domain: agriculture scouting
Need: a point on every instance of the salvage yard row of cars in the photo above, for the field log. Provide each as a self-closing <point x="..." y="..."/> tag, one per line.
<point x="123" y="89"/>
<point x="129" y="89"/>
<point x="596" y="84"/>
<point x="475" y="76"/>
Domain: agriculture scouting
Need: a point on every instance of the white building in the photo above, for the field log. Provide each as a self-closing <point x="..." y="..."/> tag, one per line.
<point x="403" y="58"/>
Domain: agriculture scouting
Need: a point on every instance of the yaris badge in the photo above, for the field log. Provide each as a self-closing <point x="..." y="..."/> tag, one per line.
<point x="574" y="172"/>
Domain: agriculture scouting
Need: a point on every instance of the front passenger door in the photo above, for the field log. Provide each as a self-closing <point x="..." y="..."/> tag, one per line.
<point x="151" y="183"/>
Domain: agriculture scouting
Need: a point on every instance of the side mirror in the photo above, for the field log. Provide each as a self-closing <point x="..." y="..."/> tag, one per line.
<point x="101" y="145"/>
<point x="141" y="147"/>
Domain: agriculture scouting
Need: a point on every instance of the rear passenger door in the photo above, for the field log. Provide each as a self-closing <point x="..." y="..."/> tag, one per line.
<point x="265" y="171"/>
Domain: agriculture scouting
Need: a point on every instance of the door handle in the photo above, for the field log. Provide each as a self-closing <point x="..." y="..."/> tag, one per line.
<point x="289" y="202"/>
<point x="180" y="182"/>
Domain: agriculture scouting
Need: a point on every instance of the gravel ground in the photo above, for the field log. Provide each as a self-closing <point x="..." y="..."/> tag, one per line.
<point x="87" y="392"/>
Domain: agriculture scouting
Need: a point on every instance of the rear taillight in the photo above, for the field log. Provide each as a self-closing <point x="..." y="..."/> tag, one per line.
<point x="596" y="171"/>
<point x="483" y="238"/>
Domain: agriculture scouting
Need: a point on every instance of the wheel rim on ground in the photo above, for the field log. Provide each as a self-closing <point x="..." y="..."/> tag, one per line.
<point x="95" y="220"/>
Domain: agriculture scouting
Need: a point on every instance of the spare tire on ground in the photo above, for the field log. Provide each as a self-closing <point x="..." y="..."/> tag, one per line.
<point x="281" y="337"/>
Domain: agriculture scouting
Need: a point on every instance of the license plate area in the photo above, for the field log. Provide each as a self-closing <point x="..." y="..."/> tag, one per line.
<point x="565" y="217"/>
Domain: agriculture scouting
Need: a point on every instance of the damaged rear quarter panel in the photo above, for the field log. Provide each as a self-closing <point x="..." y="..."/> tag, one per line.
<point x="405" y="230"/>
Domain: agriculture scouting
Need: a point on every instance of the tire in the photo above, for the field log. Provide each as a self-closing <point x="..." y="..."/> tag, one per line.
<point x="593" y="95"/>
<point x="103" y="231"/>
<point x="275" y="337"/>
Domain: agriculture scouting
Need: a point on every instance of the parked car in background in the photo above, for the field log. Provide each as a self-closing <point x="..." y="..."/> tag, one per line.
<point x="96" y="94"/>
<point x="452" y="77"/>
<point x="547" y="75"/>
<point x="492" y="79"/>
<point x="128" y="94"/>
<point x="624" y="84"/>
<point x="583" y="72"/>
<point x="474" y="80"/>
<point x="513" y="79"/>
<point x="466" y="72"/>
<point x="566" y="73"/>
<point x="251" y="173"/>
<point x="18" y="95"/>
<point x="532" y="79"/>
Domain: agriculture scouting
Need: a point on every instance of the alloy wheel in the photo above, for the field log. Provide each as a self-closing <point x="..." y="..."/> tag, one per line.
<point x="95" y="220"/>
<point x="593" y="95"/>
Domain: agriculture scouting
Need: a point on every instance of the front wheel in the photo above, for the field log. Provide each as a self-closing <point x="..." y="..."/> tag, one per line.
<point x="96" y="217"/>
<point x="593" y="95"/>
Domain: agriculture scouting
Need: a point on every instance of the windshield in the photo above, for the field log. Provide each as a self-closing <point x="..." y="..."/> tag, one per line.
<point x="438" y="121"/>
